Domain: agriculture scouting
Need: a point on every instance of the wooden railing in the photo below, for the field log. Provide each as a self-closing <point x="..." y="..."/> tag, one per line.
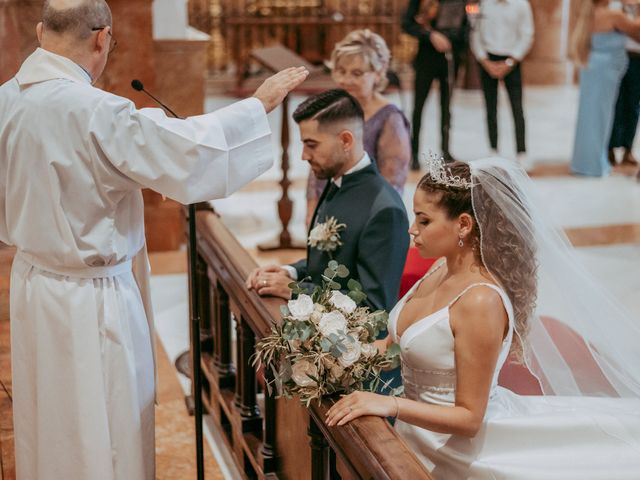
<point x="268" y="437"/>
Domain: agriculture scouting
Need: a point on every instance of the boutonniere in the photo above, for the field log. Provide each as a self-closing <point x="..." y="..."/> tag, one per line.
<point x="326" y="236"/>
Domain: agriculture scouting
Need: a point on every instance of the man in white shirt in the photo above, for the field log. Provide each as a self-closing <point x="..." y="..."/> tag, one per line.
<point x="73" y="160"/>
<point x="501" y="37"/>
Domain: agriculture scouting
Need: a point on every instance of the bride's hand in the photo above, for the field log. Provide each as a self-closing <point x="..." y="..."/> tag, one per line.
<point x="358" y="404"/>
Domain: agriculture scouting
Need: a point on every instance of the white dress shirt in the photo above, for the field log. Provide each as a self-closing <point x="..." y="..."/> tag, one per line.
<point x="504" y="27"/>
<point x="364" y="162"/>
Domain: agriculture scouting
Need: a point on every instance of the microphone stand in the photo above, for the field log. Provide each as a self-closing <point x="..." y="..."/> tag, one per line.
<point x="195" y="316"/>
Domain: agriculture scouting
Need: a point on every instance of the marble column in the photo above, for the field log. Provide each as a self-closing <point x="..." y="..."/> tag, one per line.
<point x="547" y="62"/>
<point x="133" y="56"/>
<point x="179" y="65"/>
<point x="18" y="20"/>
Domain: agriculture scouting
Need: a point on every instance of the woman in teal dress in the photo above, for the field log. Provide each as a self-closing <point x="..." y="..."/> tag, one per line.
<point x="598" y="47"/>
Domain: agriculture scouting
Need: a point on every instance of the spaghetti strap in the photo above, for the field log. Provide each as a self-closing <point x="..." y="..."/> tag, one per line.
<point x="505" y="299"/>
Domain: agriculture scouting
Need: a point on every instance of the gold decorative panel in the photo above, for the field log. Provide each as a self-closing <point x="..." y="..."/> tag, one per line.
<point x="308" y="27"/>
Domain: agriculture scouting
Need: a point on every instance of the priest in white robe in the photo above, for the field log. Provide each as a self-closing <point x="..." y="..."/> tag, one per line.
<point x="73" y="160"/>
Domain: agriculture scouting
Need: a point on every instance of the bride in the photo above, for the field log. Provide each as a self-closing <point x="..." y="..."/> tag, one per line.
<point x="508" y="288"/>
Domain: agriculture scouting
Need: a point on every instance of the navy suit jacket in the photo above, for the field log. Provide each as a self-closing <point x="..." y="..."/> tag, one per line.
<point x="374" y="242"/>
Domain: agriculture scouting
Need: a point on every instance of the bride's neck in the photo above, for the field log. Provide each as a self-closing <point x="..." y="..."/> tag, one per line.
<point x="461" y="262"/>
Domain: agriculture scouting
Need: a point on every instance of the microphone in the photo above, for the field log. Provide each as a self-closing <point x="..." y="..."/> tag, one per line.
<point x="138" y="86"/>
<point x="195" y="318"/>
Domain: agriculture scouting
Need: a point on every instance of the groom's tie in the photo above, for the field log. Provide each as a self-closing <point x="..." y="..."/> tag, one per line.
<point x="332" y="188"/>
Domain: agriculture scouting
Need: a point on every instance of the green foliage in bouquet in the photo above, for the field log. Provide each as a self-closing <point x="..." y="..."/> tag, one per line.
<point x="324" y="343"/>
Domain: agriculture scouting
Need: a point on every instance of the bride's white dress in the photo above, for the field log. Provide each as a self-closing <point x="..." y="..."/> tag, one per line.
<point x="522" y="437"/>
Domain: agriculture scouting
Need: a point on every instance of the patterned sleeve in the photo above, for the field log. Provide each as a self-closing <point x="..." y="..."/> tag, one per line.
<point x="394" y="150"/>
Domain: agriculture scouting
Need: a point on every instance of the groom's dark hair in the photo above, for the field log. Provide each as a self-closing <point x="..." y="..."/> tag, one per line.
<point x="329" y="107"/>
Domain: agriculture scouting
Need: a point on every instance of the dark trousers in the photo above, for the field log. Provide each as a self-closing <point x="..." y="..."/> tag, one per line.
<point x="625" y="121"/>
<point x="434" y="67"/>
<point x="513" y="84"/>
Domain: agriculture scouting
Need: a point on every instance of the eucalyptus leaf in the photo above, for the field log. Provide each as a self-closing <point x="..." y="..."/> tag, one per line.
<point x="333" y="265"/>
<point x="354" y="285"/>
<point x="334" y="285"/>
<point x="325" y="344"/>
<point x="356" y="296"/>
<point x="340" y="346"/>
<point x="284" y="310"/>
<point x="342" y="271"/>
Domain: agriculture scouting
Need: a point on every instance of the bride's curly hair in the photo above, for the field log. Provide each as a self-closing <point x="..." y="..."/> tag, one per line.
<point x="508" y="257"/>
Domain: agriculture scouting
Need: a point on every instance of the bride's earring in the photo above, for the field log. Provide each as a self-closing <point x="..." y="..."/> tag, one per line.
<point x="460" y="243"/>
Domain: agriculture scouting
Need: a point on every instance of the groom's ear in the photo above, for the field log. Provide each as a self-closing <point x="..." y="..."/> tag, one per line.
<point x="347" y="139"/>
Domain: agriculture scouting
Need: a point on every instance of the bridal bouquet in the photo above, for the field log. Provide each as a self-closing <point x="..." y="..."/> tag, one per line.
<point x="324" y="343"/>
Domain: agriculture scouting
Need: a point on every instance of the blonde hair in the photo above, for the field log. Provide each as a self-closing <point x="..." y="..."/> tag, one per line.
<point x="371" y="47"/>
<point x="580" y="43"/>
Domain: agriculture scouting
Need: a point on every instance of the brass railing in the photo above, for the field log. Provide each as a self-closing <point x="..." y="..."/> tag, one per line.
<point x="268" y="437"/>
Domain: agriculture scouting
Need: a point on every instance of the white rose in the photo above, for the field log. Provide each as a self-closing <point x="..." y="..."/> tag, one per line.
<point x="352" y="354"/>
<point x="332" y="322"/>
<point x="301" y="308"/>
<point x="368" y="349"/>
<point x="300" y="371"/>
<point x="342" y="301"/>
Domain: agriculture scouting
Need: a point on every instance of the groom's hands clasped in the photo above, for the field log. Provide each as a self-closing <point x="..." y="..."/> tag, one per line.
<point x="272" y="280"/>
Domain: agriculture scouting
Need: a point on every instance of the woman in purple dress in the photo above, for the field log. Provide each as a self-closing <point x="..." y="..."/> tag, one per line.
<point x="359" y="64"/>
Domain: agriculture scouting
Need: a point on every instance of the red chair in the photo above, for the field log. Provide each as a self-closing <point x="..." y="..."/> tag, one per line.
<point x="414" y="269"/>
<point x="518" y="378"/>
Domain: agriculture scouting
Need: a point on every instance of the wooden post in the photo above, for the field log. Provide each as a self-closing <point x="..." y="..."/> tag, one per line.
<point x="319" y="448"/>
<point x="221" y="327"/>
<point x="285" y="205"/>
<point x="246" y="382"/>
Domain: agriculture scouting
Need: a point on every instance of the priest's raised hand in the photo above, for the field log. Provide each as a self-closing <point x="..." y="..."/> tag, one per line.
<point x="275" y="88"/>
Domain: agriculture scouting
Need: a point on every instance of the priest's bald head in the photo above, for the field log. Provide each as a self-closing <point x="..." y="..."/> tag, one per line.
<point x="78" y="29"/>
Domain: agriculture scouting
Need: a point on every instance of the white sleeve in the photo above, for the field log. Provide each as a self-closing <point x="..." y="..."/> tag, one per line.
<point x="293" y="273"/>
<point x="526" y="32"/>
<point x="476" y="44"/>
<point x="197" y="159"/>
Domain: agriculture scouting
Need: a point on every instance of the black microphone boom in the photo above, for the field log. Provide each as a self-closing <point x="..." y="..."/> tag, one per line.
<point x="195" y="317"/>
<point x="137" y="85"/>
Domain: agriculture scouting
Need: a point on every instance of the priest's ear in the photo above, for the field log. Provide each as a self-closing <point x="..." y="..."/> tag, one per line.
<point x="39" y="28"/>
<point x="103" y="40"/>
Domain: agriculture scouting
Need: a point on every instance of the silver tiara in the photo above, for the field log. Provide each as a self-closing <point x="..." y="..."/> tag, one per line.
<point x="441" y="174"/>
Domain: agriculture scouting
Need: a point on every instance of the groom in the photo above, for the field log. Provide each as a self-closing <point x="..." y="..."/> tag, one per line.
<point x="375" y="240"/>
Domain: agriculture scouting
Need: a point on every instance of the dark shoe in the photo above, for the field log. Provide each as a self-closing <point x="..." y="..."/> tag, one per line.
<point x="629" y="159"/>
<point x="612" y="157"/>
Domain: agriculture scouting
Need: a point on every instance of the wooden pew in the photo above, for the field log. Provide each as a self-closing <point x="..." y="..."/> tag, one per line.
<point x="272" y="438"/>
